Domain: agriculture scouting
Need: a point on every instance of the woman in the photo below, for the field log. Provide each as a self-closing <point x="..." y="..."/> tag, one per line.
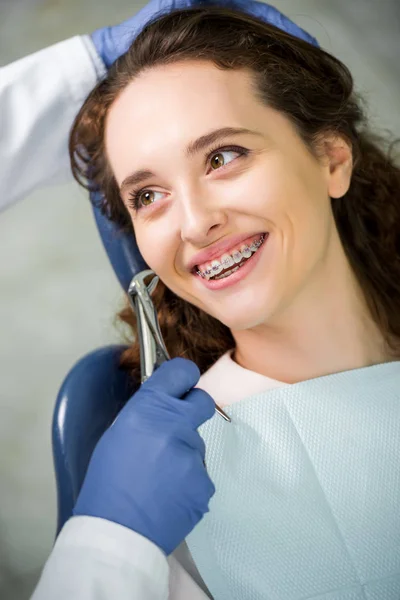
<point x="241" y="157"/>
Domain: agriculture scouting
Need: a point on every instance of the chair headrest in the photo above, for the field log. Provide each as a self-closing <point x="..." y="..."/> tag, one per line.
<point x="121" y="247"/>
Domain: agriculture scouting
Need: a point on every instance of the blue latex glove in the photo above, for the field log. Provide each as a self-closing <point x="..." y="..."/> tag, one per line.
<point x="147" y="471"/>
<point x="111" y="42"/>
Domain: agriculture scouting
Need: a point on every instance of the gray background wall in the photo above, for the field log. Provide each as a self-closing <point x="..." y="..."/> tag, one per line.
<point x="58" y="296"/>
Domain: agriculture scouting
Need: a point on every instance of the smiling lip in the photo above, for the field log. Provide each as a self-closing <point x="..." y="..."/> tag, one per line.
<point x="241" y="273"/>
<point x="220" y="248"/>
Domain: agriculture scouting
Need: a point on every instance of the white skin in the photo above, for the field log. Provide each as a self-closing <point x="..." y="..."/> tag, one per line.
<point x="299" y="313"/>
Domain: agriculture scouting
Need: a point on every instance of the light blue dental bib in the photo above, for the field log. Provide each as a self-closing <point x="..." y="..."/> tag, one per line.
<point x="307" y="502"/>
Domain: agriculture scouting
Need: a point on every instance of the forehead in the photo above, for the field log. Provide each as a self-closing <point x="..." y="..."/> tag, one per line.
<point x="183" y="88"/>
<point x="171" y="104"/>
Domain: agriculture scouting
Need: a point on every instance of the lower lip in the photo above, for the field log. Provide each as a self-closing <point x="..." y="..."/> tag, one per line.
<point x="241" y="273"/>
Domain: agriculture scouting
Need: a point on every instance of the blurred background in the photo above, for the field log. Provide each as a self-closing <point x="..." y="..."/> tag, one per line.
<point x="58" y="294"/>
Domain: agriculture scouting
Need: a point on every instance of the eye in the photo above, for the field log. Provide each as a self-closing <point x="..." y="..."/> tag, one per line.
<point x="218" y="160"/>
<point x="142" y="198"/>
<point x="139" y="199"/>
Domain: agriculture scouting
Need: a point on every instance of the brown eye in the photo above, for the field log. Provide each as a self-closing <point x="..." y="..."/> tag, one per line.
<point x="217" y="160"/>
<point x="146" y="197"/>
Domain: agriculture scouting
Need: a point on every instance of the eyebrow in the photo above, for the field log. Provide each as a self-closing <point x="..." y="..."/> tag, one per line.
<point x="192" y="149"/>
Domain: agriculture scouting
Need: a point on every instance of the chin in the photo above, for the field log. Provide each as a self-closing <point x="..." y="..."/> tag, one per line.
<point x="244" y="320"/>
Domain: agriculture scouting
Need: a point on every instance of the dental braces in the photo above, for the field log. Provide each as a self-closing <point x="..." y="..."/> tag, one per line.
<point x="215" y="268"/>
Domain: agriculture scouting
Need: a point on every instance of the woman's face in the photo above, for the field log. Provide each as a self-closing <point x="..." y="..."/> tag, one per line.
<point x="236" y="185"/>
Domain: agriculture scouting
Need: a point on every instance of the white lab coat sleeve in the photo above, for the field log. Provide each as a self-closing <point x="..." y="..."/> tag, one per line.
<point x="95" y="559"/>
<point x="40" y="96"/>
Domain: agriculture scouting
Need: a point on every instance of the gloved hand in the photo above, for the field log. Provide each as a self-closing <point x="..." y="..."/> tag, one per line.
<point x="147" y="471"/>
<point x="112" y="42"/>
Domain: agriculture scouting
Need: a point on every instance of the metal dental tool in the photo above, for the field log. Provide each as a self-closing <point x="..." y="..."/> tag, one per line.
<point x="152" y="347"/>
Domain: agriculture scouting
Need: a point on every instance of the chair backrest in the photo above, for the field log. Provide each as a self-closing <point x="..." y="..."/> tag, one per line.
<point x="96" y="388"/>
<point x="90" y="397"/>
<point x="120" y="246"/>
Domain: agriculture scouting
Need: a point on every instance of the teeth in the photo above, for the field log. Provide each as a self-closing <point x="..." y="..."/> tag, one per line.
<point x="246" y="252"/>
<point x="253" y="247"/>
<point x="216" y="267"/>
<point x="228" y="260"/>
<point x="228" y="273"/>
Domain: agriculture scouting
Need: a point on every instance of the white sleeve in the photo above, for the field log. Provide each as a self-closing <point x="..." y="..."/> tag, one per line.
<point x="95" y="559"/>
<point x="40" y="96"/>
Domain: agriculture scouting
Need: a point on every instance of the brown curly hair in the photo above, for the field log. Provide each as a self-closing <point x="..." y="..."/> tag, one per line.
<point x="315" y="91"/>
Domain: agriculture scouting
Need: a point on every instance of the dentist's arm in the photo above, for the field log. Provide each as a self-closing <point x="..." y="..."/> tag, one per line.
<point x="146" y="488"/>
<point x="96" y="559"/>
<point x="40" y="96"/>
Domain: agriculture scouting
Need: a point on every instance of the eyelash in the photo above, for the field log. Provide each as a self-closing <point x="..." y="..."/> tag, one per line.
<point x="134" y="195"/>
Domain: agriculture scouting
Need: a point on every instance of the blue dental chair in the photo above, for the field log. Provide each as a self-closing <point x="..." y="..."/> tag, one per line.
<point x="95" y="389"/>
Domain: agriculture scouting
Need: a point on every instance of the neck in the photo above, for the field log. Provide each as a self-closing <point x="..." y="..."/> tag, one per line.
<point x="326" y="329"/>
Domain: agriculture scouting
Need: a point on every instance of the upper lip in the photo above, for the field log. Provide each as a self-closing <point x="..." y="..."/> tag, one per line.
<point x="219" y="248"/>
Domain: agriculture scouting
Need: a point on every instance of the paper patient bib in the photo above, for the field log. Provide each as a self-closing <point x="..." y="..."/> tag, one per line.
<point x="307" y="501"/>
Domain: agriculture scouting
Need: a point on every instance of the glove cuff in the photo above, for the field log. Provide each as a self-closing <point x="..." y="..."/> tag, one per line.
<point x="101" y="41"/>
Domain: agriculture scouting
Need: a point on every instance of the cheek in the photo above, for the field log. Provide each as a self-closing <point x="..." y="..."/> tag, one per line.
<point x="296" y="194"/>
<point x="274" y="193"/>
<point x="295" y="201"/>
<point x="146" y="248"/>
<point x="155" y="247"/>
<point x="306" y="228"/>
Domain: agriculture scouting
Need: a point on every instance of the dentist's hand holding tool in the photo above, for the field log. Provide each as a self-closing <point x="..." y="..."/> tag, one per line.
<point x="147" y="471"/>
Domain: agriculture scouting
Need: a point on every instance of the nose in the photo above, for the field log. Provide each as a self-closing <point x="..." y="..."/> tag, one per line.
<point x="202" y="216"/>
